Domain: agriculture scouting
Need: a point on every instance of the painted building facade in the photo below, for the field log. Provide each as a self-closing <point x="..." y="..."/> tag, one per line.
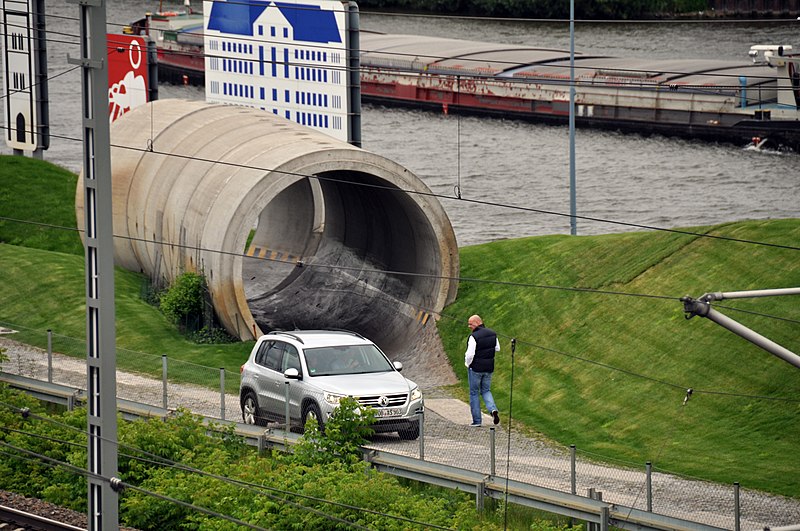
<point x="288" y="58"/>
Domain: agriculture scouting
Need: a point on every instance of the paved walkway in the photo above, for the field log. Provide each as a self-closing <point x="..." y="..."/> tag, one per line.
<point x="448" y="439"/>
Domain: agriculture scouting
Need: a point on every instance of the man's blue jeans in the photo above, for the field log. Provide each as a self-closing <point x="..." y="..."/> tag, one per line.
<point x="480" y="384"/>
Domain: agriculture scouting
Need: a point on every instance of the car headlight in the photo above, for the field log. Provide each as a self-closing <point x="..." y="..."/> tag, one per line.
<point x="332" y="399"/>
<point x="416" y="394"/>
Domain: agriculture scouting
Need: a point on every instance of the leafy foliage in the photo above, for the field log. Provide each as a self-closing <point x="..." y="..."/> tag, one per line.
<point x="209" y="335"/>
<point x="185" y="297"/>
<point x="276" y="491"/>
<point x="345" y="432"/>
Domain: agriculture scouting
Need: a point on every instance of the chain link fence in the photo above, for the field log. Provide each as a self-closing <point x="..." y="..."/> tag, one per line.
<point x="445" y="437"/>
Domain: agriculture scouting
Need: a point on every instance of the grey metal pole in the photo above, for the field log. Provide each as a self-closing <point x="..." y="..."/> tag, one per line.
<point x="649" y="469"/>
<point x="164" y="401"/>
<point x="222" y="393"/>
<point x="288" y="419"/>
<point x="604" y="514"/>
<point x="101" y="355"/>
<point x="590" y="526"/>
<point x="49" y="356"/>
<point x="354" y="72"/>
<point x="722" y="295"/>
<point x="573" y="210"/>
<point x="421" y="415"/>
<point x="736" y="513"/>
<point x="572" y="474"/>
<point x="42" y="91"/>
<point x="492" y="453"/>
<point x="703" y="308"/>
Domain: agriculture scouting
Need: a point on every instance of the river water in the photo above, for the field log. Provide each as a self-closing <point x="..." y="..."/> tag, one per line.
<point x="520" y="167"/>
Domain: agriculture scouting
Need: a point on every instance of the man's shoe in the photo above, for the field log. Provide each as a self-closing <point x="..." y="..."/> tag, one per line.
<point x="496" y="416"/>
<point x="473" y="425"/>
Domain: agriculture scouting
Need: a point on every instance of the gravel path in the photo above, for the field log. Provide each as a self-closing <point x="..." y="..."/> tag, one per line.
<point x="449" y="440"/>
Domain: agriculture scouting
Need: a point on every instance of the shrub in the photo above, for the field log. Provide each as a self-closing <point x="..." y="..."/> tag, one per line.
<point x="212" y="336"/>
<point x="345" y="432"/>
<point x="184" y="299"/>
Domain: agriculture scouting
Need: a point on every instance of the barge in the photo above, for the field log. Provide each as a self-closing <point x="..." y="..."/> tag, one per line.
<point x="743" y="102"/>
<point x="702" y="98"/>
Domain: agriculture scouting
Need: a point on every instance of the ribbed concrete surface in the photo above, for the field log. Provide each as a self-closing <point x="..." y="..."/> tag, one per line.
<point x="217" y="172"/>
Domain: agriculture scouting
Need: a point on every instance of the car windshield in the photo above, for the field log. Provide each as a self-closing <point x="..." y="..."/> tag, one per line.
<point x="346" y="359"/>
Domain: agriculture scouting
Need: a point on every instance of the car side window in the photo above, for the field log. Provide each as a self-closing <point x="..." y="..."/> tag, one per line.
<point x="274" y="356"/>
<point x="261" y="354"/>
<point x="291" y="359"/>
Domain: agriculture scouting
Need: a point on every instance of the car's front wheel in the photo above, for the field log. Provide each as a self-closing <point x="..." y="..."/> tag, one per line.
<point x="410" y="433"/>
<point x="251" y="414"/>
<point x="311" y="413"/>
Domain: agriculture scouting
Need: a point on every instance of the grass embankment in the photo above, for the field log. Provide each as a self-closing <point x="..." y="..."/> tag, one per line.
<point x="606" y="372"/>
<point x="609" y="372"/>
<point x="43" y="281"/>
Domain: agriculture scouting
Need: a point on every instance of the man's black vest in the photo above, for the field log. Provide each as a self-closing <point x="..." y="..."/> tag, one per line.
<point x="485" y="341"/>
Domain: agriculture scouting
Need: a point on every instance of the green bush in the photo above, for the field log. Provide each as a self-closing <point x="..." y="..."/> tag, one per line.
<point x="212" y="336"/>
<point x="275" y="491"/>
<point x="345" y="432"/>
<point x="184" y="299"/>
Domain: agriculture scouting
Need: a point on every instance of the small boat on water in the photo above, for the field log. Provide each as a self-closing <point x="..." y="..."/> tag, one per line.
<point x="701" y="98"/>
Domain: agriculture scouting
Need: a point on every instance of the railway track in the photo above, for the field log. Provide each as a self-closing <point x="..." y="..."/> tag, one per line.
<point x="14" y="519"/>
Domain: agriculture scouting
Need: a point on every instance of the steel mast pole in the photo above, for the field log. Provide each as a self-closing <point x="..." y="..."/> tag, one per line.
<point x="702" y="307"/>
<point x="103" y="506"/>
<point x="573" y="222"/>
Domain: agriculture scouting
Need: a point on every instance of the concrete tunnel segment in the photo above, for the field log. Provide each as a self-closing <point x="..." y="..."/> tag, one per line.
<point x="344" y="238"/>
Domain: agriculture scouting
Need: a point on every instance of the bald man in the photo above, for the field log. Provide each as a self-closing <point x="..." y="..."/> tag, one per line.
<point x="479" y="359"/>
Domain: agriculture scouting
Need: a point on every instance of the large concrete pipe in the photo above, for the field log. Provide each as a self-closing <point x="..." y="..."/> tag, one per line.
<point x="341" y="239"/>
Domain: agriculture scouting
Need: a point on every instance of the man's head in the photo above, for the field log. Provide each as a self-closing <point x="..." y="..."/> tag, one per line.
<point x="474" y="322"/>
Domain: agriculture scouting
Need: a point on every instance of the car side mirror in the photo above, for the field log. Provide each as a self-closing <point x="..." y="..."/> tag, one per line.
<point x="291" y="374"/>
<point x="398" y="365"/>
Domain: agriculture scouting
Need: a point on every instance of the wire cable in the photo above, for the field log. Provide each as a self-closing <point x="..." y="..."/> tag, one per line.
<point x="338" y="267"/>
<point x="447" y="197"/>
<point x="56" y="463"/>
<point x="163" y="461"/>
<point x="759" y="314"/>
<point x="465" y="75"/>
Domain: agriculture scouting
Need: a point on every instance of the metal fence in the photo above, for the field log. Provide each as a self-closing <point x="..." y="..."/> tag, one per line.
<point x="161" y="381"/>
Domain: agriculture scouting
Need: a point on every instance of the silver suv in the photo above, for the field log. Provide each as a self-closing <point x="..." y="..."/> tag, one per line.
<point x="321" y="367"/>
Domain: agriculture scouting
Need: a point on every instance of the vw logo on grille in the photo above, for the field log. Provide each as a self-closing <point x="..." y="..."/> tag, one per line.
<point x="383" y="401"/>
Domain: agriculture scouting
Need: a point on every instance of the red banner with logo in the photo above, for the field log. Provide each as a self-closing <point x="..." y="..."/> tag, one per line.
<point x="127" y="74"/>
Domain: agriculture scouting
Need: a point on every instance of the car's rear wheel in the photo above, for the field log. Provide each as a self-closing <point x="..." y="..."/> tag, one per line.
<point x="251" y="414"/>
<point x="311" y="413"/>
<point x="410" y="433"/>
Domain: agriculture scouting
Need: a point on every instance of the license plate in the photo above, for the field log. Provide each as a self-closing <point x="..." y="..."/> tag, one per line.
<point x="388" y="412"/>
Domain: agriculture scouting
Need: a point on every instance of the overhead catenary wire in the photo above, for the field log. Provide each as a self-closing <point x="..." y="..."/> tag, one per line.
<point x="465" y="74"/>
<point x="87" y="474"/>
<point x="253" y="487"/>
<point x="151" y="149"/>
<point x="361" y="269"/>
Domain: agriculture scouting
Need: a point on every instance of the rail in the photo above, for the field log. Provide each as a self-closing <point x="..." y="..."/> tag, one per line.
<point x="481" y="485"/>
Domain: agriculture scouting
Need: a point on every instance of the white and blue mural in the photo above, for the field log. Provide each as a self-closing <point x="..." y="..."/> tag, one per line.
<point x="288" y="58"/>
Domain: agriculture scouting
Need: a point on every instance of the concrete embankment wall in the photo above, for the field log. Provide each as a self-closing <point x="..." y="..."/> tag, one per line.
<point x="343" y="238"/>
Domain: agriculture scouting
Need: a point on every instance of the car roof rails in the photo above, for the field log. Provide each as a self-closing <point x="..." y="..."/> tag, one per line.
<point x="283" y="333"/>
<point x="335" y="331"/>
<point x="313" y="332"/>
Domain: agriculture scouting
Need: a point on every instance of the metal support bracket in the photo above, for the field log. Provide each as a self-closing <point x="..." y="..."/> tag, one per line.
<point x="85" y="63"/>
<point x="90" y="3"/>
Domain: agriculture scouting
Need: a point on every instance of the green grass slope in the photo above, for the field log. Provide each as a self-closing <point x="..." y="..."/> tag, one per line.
<point x="609" y="372"/>
<point x="605" y="371"/>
